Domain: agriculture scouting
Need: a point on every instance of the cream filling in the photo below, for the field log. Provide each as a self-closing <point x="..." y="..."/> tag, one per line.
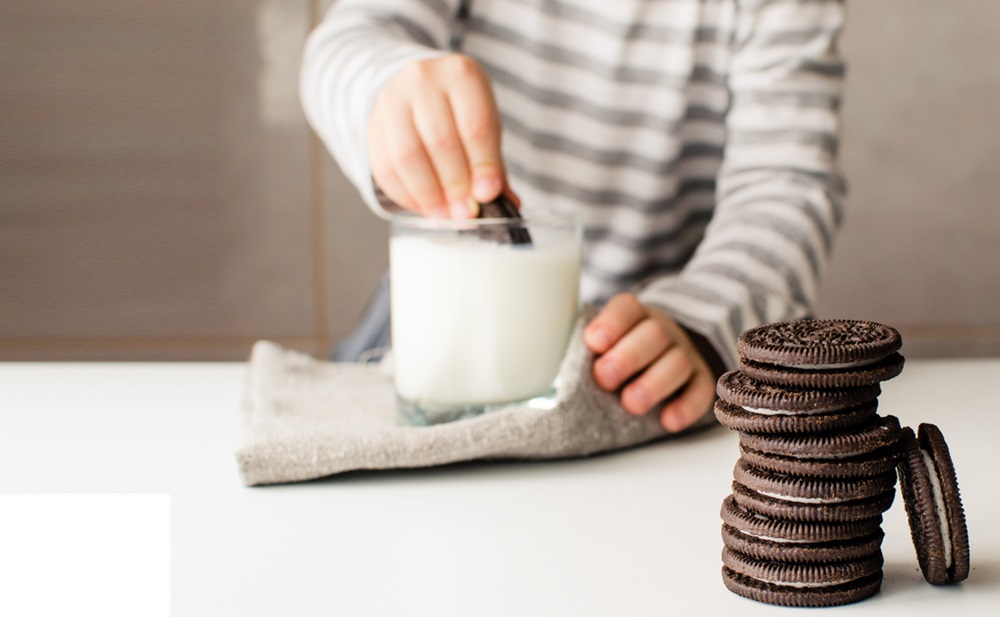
<point x="806" y="585"/>
<point x="780" y="412"/>
<point x="770" y="539"/>
<point x="803" y="499"/>
<point x="832" y="367"/>
<point x="939" y="505"/>
<point x="824" y="456"/>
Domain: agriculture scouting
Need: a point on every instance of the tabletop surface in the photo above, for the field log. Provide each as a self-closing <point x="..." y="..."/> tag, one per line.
<point x="629" y="533"/>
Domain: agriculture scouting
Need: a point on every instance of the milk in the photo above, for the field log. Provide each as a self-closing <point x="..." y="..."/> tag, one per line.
<point x="480" y="323"/>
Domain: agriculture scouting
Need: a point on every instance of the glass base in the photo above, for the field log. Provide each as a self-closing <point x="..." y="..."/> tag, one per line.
<point x="410" y="413"/>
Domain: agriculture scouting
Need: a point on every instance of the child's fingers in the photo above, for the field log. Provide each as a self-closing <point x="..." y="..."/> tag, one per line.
<point x="433" y="119"/>
<point x="661" y="379"/>
<point x="618" y="316"/>
<point x="478" y="123"/>
<point x="411" y="163"/>
<point x="691" y="404"/>
<point x="633" y="352"/>
<point x="383" y="173"/>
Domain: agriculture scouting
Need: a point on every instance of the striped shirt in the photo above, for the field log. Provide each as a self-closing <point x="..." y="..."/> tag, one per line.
<point x="697" y="138"/>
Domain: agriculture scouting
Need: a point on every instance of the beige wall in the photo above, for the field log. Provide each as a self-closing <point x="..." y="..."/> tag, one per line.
<point x="162" y="197"/>
<point x="921" y="149"/>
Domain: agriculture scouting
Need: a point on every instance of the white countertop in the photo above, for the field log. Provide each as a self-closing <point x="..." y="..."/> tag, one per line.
<point x="632" y="533"/>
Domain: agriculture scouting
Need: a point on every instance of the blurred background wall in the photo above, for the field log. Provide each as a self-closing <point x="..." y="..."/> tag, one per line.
<point x="161" y="196"/>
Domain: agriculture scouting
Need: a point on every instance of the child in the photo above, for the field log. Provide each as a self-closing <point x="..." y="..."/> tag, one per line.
<point x="696" y="137"/>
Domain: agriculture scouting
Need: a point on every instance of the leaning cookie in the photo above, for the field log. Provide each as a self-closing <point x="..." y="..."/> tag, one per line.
<point x="816" y="353"/>
<point x="933" y="505"/>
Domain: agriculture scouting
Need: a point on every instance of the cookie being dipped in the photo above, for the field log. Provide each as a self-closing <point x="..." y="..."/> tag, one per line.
<point x="503" y="208"/>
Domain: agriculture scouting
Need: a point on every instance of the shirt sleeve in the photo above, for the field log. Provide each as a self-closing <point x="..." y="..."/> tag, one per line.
<point x="779" y="192"/>
<point x="349" y="57"/>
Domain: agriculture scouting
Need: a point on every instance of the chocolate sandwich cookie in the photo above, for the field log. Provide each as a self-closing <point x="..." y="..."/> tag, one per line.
<point x="803" y="551"/>
<point x="503" y="208"/>
<point x="785" y="530"/>
<point x="841" y="511"/>
<point x="811" y="491"/>
<point x="761" y="420"/>
<point x="802" y="584"/>
<point x="933" y="505"/>
<point x="879" y="433"/>
<point x="747" y="404"/>
<point x="738" y="388"/>
<point x="882" y="370"/>
<point x="821" y="353"/>
<point x="865" y="465"/>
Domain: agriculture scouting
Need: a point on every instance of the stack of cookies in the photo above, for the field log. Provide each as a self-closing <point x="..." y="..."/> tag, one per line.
<point x="817" y="464"/>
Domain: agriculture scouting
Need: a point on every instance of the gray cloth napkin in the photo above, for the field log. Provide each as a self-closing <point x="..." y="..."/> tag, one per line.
<point x="305" y="418"/>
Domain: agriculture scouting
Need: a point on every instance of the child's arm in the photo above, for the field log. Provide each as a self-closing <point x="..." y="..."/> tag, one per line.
<point x="778" y="206"/>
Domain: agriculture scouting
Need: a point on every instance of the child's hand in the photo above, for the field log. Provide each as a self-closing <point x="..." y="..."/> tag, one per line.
<point x="639" y="343"/>
<point x="434" y="138"/>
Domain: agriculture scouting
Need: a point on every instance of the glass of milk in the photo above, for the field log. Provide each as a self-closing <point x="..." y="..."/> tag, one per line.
<point x="478" y="324"/>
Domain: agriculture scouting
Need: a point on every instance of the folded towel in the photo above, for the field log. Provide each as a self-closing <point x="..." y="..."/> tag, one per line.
<point x="305" y="418"/>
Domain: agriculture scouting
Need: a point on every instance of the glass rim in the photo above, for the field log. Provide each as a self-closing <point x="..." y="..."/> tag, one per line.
<point x="544" y="218"/>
